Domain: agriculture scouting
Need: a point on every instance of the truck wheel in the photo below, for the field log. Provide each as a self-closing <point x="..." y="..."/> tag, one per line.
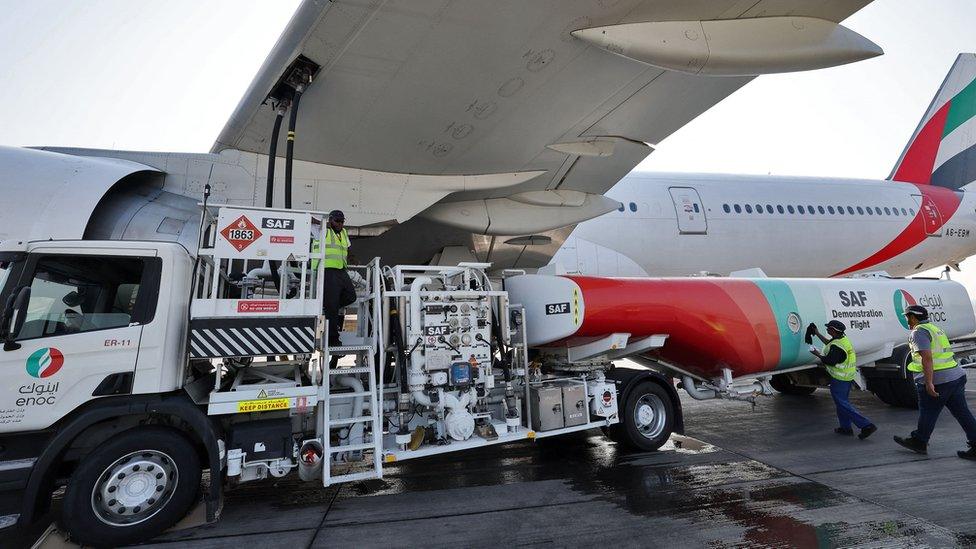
<point x="783" y="383"/>
<point x="900" y="393"/>
<point x="648" y="417"/>
<point x="131" y="488"/>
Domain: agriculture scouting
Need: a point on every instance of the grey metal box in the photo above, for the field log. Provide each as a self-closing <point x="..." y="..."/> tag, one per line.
<point x="574" y="404"/>
<point x="546" y="403"/>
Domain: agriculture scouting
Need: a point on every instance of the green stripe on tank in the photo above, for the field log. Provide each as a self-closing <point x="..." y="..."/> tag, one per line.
<point x="803" y="298"/>
<point x="961" y="109"/>
<point x="781" y="301"/>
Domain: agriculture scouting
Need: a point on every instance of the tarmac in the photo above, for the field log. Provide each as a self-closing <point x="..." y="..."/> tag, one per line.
<point x="771" y="476"/>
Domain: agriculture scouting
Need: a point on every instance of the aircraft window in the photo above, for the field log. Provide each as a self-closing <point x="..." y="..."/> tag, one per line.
<point x="821" y="210"/>
<point x="779" y="208"/>
<point x="738" y="209"/>
<point x="790" y="209"/>
<point x="748" y="208"/>
<point x="911" y="212"/>
<point x="887" y="211"/>
<point x="769" y="208"/>
<point x="877" y="210"/>
<point x="860" y="210"/>
<point x="869" y="211"/>
<point x="620" y="208"/>
<point x="800" y="209"/>
<point x="810" y="209"/>
<point x="903" y="212"/>
<point x="830" y="209"/>
<point x="896" y="211"/>
<point x="695" y="205"/>
<point x="726" y="208"/>
<point x="759" y="209"/>
<point x="633" y="207"/>
<point x="850" y="210"/>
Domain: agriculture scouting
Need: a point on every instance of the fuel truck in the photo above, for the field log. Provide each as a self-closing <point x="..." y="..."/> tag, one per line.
<point x="130" y="368"/>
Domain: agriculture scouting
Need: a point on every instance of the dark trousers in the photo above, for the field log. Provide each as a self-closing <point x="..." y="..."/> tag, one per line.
<point x="952" y="395"/>
<point x="339" y="292"/>
<point x="846" y="412"/>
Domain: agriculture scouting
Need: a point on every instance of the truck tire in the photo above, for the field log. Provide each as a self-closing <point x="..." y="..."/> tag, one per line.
<point x="897" y="392"/>
<point x="131" y="488"/>
<point x="648" y="417"/>
<point x="783" y="383"/>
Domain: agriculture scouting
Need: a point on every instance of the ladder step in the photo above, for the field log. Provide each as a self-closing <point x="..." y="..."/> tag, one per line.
<point x="353" y="477"/>
<point x="350" y="420"/>
<point x="349" y="395"/>
<point x="349" y="349"/>
<point x="344" y="371"/>
<point x="351" y="448"/>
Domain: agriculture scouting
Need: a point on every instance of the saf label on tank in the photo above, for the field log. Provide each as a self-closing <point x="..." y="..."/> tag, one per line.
<point x="277" y="223"/>
<point x="854" y="299"/>
<point x="557" y="308"/>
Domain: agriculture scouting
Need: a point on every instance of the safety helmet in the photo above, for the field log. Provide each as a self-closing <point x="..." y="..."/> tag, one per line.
<point x="917" y="311"/>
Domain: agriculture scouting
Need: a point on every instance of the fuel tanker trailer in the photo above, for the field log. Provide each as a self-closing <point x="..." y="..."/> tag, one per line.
<point x="737" y="337"/>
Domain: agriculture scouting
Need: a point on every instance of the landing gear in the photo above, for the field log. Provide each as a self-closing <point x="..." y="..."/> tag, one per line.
<point x="131" y="488"/>
<point x="783" y="383"/>
<point x="647" y="418"/>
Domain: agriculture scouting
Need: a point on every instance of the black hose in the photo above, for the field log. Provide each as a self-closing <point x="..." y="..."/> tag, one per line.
<point x="290" y="147"/>
<point x="272" y="154"/>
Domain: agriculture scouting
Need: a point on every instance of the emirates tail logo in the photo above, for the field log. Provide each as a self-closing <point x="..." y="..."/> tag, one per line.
<point x="902" y="301"/>
<point x="45" y="362"/>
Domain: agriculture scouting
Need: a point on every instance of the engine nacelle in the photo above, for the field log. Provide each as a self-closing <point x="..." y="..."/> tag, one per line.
<point x="67" y="197"/>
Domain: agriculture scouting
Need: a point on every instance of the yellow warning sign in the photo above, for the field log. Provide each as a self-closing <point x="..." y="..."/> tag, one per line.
<point x="576" y="307"/>
<point x="263" y="405"/>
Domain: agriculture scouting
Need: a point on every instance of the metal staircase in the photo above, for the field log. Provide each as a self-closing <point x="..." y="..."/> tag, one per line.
<point x="365" y="345"/>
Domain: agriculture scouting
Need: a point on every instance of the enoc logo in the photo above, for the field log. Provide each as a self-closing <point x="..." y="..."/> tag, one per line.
<point x="45" y="362"/>
<point x="903" y="300"/>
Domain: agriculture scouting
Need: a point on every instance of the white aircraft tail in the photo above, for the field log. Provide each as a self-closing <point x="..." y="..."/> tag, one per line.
<point x="943" y="149"/>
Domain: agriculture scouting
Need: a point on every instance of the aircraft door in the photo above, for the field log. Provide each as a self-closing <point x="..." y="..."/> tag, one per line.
<point x="689" y="209"/>
<point x="930" y="213"/>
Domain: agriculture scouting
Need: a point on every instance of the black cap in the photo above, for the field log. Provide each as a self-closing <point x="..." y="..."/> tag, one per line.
<point x="836" y="325"/>
<point x="337" y="215"/>
<point x="917" y="311"/>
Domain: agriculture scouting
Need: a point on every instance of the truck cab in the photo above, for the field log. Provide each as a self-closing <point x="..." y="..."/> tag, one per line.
<point x="87" y="327"/>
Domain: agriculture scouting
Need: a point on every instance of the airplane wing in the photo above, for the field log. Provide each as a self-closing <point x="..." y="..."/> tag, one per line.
<point x="562" y="92"/>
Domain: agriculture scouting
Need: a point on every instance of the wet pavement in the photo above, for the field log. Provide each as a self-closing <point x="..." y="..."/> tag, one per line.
<point x="776" y="476"/>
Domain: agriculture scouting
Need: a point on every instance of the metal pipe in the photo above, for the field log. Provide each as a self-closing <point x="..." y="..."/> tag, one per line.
<point x="696" y="392"/>
<point x="272" y="154"/>
<point x="417" y="378"/>
<point x="290" y="144"/>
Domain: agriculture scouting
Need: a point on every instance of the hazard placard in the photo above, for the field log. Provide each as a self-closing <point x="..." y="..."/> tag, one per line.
<point x="245" y="233"/>
<point x="241" y="233"/>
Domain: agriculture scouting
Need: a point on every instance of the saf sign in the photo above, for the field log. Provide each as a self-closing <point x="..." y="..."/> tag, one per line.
<point x="241" y="233"/>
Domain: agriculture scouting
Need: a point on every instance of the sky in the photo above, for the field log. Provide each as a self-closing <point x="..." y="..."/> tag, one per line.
<point x="165" y="76"/>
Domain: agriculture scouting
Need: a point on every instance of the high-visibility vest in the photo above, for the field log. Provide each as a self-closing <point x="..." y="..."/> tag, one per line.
<point x="942" y="356"/>
<point x="336" y="250"/>
<point x="844" y="371"/>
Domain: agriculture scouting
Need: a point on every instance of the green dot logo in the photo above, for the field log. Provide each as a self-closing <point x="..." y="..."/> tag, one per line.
<point x="45" y="362"/>
<point x="902" y="301"/>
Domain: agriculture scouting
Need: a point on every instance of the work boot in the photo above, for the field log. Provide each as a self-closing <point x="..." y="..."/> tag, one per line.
<point x="843" y="431"/>
<point x="867" y="431"/>
<point x="913" y="444"/>
<point x="968" y="454"/>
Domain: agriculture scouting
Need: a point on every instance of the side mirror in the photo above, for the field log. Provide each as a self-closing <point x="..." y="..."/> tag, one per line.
<point x="14" y="315"/>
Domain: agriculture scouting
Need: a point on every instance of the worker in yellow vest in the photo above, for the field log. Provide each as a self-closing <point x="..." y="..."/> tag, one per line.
<point x="940" y="381"/>
<point x="840" y="360"/>
<point x="338" y="291"/>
